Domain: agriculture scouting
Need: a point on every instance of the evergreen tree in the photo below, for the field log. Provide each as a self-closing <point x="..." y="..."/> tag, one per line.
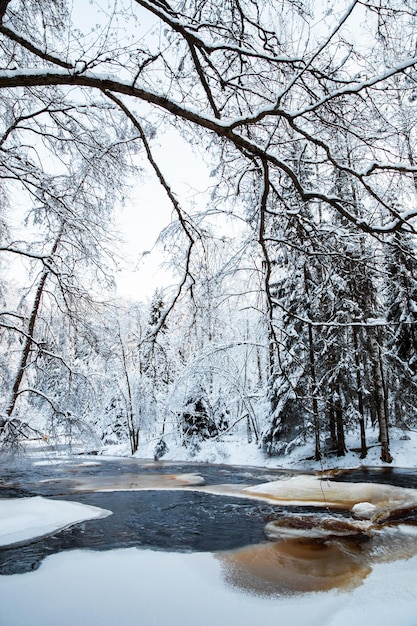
<point x="401" y="316"/>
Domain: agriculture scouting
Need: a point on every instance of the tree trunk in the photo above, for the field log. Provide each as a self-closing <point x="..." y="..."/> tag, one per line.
<point x="132" y="428"/>
<point x="29" y="335"/>
<point x="379" y="394"/>
<point x="364" y="449"/>
<point x="341" y="446"/>
<point x="313" y="377"/>
<point x="317" y="447"/>
<point x="332" y="424"/>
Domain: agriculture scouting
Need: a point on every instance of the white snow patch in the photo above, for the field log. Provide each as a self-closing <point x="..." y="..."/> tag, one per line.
<point x="23" y="519"/>
<point x="364" y="510"/>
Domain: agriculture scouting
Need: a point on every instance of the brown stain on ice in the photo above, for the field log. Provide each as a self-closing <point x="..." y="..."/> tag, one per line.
<point x="332" y="554"/>
<point x="138" y="482"/>
<point x="310" y="489"/>
<point x="293" y="566"/>
<point x="318" y="527"/>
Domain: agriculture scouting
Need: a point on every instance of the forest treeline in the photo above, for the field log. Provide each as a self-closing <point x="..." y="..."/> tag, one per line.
<point x="293" y="317"/>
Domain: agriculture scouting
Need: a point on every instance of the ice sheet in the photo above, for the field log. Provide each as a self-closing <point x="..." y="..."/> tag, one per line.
<point x="146" y="588"/>
<point x="23" y="519"/>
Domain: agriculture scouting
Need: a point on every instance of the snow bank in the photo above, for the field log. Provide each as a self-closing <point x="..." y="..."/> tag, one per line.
<point x="235" y="451"/>
<point x="146" y="588"/>
<point x="23" y="519"/>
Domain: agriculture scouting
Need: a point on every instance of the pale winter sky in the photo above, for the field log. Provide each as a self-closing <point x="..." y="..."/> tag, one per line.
<point x="149" y="210"/>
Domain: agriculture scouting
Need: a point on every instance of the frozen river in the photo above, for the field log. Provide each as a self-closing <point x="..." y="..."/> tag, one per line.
<point x="196" y="536"/>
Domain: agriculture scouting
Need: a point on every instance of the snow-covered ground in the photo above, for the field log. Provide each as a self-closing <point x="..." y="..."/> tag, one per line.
<point x="135" y="587"/>
<point x="235" y="451"/>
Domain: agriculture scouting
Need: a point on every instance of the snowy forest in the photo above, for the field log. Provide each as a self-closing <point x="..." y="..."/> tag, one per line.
<point x="292" y="312"/>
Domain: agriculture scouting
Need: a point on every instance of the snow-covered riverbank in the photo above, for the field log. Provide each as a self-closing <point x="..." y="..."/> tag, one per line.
<point x="146" y="588"/>
<point x="235" y="451"/>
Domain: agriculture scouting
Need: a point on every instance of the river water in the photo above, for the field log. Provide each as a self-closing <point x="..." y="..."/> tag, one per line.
<point x="154" y="505"/>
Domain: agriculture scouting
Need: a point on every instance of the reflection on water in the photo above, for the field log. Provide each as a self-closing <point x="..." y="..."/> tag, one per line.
<point x="396" y="476"/>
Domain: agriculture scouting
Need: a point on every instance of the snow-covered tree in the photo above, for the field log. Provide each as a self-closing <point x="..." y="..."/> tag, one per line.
<point x="267" y="94"/>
